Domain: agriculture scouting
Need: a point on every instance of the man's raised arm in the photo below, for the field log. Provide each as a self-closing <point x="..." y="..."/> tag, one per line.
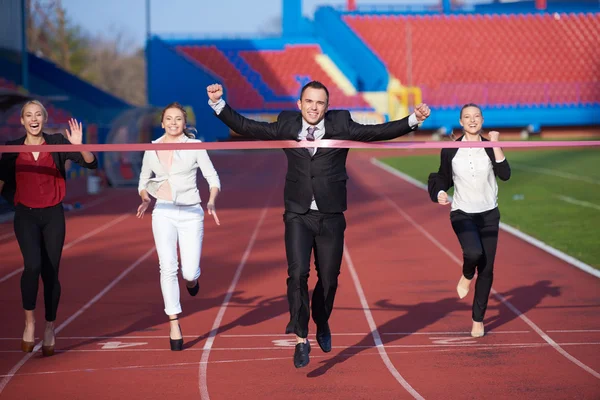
<point x="389" y="130"/>
<point x="237" y="122"/>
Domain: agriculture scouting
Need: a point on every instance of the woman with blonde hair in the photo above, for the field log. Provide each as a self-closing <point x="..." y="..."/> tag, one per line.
<point x="35" y="183"/>
<point x="178" y="217"/>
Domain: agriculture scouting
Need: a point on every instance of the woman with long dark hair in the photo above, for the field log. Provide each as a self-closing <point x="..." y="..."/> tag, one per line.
<point x="177" y="217"/>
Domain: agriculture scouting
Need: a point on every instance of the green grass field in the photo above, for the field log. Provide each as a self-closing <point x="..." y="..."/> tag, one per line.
<point x="553" y="195"/>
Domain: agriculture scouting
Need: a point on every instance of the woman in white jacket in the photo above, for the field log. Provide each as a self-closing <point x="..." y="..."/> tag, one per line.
<point x="177" y="214"/>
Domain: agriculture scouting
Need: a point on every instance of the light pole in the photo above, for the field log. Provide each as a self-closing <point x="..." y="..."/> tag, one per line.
<point x="148" y="35"/>
<point x="24" y="49"/>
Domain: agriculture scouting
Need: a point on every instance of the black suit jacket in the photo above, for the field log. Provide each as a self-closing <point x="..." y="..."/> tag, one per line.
<point x="442" y="180"/>
<point x="324" y="174"/>
<point x="8" y="160"/>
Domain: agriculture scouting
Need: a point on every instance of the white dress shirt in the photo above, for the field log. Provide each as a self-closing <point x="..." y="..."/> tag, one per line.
<point x="182" y="174"/>
<point x="475" y="186"/>
<point x="319" y="133"/>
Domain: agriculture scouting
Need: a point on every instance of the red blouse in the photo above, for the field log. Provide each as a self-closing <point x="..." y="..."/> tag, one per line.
<point x="39" y="183"/>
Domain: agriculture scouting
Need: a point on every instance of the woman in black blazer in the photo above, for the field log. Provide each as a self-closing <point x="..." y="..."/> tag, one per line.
<point x="474" y="212"/>
<point x="35" y="183"/>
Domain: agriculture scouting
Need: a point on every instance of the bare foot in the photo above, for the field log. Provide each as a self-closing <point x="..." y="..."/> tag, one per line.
<point x="175" y="330"/>
<point x="463" y="286"/>
<point x="49" y="337"/>
<point x="29" y="332"/>
<point x="477" y="330"/>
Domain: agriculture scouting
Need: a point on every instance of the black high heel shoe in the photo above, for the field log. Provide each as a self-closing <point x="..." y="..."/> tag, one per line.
<point x="176" y="344"/>
<point x="193" y="290"/>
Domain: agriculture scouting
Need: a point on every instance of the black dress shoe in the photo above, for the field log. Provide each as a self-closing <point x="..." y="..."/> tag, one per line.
<point x="194" y="290"/>
<point x="324" y="337"/>
<point x="301" y="353"/>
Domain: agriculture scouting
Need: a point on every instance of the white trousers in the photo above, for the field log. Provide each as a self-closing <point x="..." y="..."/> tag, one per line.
<point x="173" y="224"/>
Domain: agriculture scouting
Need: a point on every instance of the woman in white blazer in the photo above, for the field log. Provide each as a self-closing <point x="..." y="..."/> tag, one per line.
<point x="170" y="177"/>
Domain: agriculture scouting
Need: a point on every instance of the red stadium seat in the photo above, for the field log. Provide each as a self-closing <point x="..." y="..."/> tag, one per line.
<point x="242" y="94"/>
<point x="279" y="70"/>
<point x="511" y="56"/>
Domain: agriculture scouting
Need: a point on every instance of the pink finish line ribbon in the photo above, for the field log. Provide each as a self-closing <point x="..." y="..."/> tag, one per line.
<point x="286" y="144"/>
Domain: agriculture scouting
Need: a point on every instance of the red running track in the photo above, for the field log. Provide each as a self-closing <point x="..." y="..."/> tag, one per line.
<point x="399" y="330"/>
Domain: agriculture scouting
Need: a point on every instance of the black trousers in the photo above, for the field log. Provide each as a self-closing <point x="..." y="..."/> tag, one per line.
<point x="323" y="233"/>
<point x="478" y="237"/>
<point x="40" y="233"/>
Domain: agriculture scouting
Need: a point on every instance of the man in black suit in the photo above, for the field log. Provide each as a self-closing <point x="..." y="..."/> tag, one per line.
<point x="314" y="196"/>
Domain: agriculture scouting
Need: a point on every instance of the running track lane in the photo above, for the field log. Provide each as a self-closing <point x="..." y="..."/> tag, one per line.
<point x="87" y="201"/>
<point x="251" y="346"/>
<point x="79" y="224"/>
<point x="401" y="240"/>
<point x="84" y="273"/>
<point x="134" y="306"/>
<point x="425" y="335"/>
<point x="400" y="305"/>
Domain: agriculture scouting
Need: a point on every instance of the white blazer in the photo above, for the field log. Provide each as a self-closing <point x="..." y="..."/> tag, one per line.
<point x="182" y="175"/>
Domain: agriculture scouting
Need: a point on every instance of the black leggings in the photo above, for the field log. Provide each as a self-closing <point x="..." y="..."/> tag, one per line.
<point x="41" y="236"/>
<point x="478" y="237"/>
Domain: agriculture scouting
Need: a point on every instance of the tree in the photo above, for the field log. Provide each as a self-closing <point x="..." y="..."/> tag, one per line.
<point x="104" y="62"/>
<point x="114" y="69"/>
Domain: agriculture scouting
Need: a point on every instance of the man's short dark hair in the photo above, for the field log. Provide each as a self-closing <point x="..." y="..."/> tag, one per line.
<point x="315" y="85"/>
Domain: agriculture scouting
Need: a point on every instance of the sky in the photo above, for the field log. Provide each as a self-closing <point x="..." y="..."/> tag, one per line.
<point x="189" y="18"/>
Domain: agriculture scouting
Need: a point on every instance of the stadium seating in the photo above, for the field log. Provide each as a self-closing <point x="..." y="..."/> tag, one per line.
<point x="243" y="95"/>
<point x="504" y="60"/>
<point x="270" y="79"/>
<point x="286" y="71"/>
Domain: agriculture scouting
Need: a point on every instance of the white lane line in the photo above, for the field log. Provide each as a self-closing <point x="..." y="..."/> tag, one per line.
<point x="523" y="236"/>
<point x="374" y="332"/>
<point x="6" y="379"/>
<point x="553" y="172"/>
<point x="76" y="241"/>
<point x="242" y="360"/>
<point x="87" y="206"/>
<point x="576" y="202"/>
<point x="494" y="292"/>
<point x="203" y="383"/>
